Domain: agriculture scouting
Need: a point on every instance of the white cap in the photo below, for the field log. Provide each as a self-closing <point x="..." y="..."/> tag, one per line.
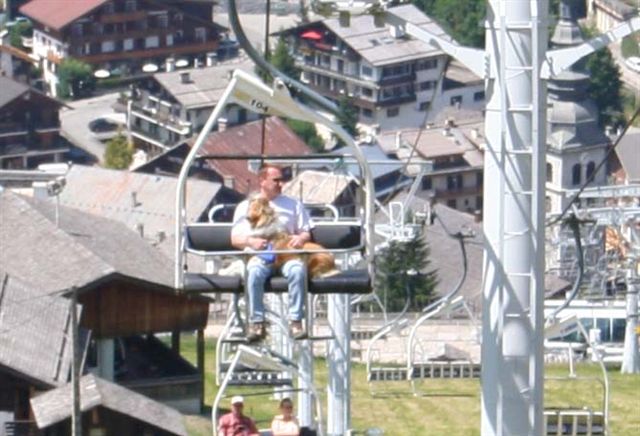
<point x="237" y="399"/>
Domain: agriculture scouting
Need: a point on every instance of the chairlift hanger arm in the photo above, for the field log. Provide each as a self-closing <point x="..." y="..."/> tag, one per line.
<point x="559" y="60"/>
<point x="266" y="66"/>
<point x="251" y="93"/>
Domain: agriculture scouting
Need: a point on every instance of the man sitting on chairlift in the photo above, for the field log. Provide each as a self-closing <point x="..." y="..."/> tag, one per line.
<point x="293" y="217"/>
<point x="235" y="423"/>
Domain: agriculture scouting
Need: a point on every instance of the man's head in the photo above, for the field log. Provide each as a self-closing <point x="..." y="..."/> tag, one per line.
<point x="237" y="404"/>
<point x="271" y="181"/>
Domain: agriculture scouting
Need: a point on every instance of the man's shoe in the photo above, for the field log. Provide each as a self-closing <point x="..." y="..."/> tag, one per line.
<point x="297" y="332"/>
<point x="256" y="332"/>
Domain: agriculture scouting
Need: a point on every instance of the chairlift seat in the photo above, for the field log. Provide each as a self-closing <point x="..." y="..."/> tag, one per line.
<point x="573" y="421"/>
<point x="214" y="239"/>
<point x="445" y="369"/>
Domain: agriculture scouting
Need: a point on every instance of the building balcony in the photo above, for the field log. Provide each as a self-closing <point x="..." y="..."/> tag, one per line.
<point x="394" y="101"/>
<point x="90" y="37"/>
<point x="457" y="191"/>
<point x="121" y="17"/>
<point x="336" y="95"/>
<point x="395" y="80"/>
<point x="158" y="52"/>
<point x="161" y="118"/>
<point x="324" y="71"/>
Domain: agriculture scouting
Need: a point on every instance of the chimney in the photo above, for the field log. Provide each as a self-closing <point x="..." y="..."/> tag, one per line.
<point x="185" y="77"/>
<point x="170" y="65"/>
<point x="212" y="58"/>
<point x="475" y="133"/>
<point x="222" y="124"/>
<point x="134" y="199"/>
<point x="140" y="229"/>
<point x="396" y="32"/>
<point x="398" y="140"/>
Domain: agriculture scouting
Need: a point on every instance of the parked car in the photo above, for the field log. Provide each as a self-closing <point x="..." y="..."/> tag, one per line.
<point x="100" y="125"/>
<point x="633" y="63"/>
<point x="108" y="126"/>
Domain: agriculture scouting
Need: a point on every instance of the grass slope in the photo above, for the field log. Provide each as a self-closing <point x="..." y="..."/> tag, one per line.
<point x="448" y="407"/>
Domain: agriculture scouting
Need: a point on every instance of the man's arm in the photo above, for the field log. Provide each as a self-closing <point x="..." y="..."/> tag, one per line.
<point x="242" y="241"/>
<point x="297" y="241"/>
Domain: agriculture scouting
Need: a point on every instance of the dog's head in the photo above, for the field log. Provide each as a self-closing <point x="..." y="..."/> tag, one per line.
<point x="260" y="213"/>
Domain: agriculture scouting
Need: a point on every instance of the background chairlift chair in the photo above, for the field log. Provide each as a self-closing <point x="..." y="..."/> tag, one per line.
<point x="265" y="360"/>
<point x="576" y="420"/>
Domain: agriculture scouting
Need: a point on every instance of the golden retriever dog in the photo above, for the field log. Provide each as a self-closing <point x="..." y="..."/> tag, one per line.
<point x="264" y="223"/>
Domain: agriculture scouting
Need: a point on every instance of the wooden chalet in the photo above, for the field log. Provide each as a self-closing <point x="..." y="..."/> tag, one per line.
<point x="125" y="287"/>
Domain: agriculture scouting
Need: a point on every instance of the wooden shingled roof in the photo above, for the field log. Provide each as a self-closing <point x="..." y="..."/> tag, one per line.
<point x="80" y="250"/>
<point x="55" y="405"/>
<point x="31" y="345"/>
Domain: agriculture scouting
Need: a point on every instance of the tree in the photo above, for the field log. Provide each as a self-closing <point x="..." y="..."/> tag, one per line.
<point x="308" y="133"/>
<point x="393" y="262"/>
<point x="465" y="27"/>
<point x="119" y="153"/>
<point x="347" y="117"/>
<point x="605" y="86"/>
<point x="283" y="61"/>
<point x="19" y="30"/>
<point x="75" y="79"/>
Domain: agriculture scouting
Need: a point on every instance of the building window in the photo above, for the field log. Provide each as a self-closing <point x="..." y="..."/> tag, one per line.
<point x="454" y="182"/>
<point x="427" y="183"/>
<point x="169" y="40"/>
<point x="591" y="169"/>
<point x="127" y="44"/>
<point x="479" y="203"/>
<point x="456" y="100"/>
<point x="367" y="92"/>
<point x="340" y="66"/>
<point x="424" y="106"/>
<point x="130" y="6"/>
<point x="451" y="203"/>
<point x="108" y="46"/>
<point x="326" y="60"/>
<point x="367" y="71"/>
<point x="98" y="29"/>
<point x="479" y="180"/>
<point x="76" y="29"/>
<point x="151" y="42"/>
<point x="427" y="65"/>
<point x="425" y="86"/>
<point x="108" y="8"/>
<point x="549" y="173"/>
<point x="163" y="20"/>
<point x="367" y="113"/>
<point x="393" y="112"/>
<point x="576" y="174"/>
<point x="478" y="96"/>
<point x="201" y="34"/>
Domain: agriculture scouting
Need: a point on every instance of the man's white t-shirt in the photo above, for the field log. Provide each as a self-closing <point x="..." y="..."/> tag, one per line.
<point x="291" y="213"/>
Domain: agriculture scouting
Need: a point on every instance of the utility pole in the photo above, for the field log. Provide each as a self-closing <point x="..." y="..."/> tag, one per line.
<point x="76" y="414"/>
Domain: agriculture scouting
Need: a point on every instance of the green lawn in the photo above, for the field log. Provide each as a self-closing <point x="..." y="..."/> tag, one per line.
<point x="450" y="407"/>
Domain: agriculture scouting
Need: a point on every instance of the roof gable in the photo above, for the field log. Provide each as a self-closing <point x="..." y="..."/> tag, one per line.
<point x="59" y="13"/>
<point x="10" y="90"/>
<point x="246" y="139"/>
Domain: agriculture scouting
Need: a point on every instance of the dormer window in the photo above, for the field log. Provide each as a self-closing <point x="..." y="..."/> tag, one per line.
<point x="130" y="5"/>
<point x="108" y="8"/>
